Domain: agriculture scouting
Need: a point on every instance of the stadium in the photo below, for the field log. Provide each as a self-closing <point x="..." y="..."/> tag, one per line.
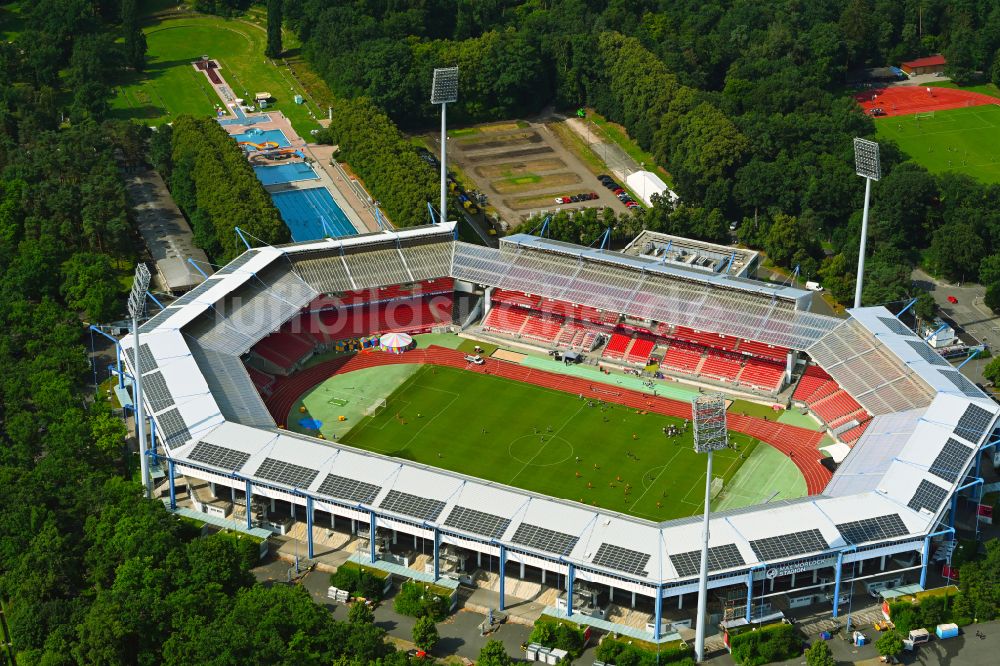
<point x="235" y="379"/>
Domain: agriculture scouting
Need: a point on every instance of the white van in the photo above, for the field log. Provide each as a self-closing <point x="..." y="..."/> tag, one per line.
<point x="814" y="286"/>
<point x="916" y="637"/>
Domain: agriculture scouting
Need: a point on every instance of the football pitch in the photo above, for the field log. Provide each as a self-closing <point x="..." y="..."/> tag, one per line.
<point x="547" y="441"/>
<point x="965" y="140"/>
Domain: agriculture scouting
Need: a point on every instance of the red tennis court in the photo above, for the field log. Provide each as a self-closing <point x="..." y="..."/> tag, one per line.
<point x="904" y="100"/>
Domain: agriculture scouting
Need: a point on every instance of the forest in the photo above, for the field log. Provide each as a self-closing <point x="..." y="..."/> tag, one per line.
<point x="743" y="102"/>
<point x="89" y="571"/>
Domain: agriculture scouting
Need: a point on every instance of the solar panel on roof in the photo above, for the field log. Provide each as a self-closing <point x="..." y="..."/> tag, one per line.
<point x="197" y="291"/>
<point x="412" y="505"/>
<point x="873" y="529"/>
<point x="158" y="319"/>
<point x="896" y="326"/>
<point x="237" y="263"/>
<point x="727" y="556"/>
<point x="621" y="559"/>
<point x="926" y="352"/>
<point x="154" y="389"/>
<point x="789" y="545"/>
<point x="973" y="424"/>
<point x="218" y="456"/>
<point x="172" y="430"/>
<point x="145" y="357"/>
<point x="350" y="489"/>
<point x="286" y="473"/>
<point x="927" y="496"/>
<point x="961" y="383"/>
<point x="950" y="462"/>
<point x="477" y="522"/>
<point x="544" y="539"/>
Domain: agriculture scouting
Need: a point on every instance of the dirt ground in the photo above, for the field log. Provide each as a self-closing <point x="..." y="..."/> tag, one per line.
<point x="523" y="167"/>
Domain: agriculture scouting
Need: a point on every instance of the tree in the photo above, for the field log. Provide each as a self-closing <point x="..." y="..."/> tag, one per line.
<point x="889" y="644"/>
<point x="992" y="297"/>
<point x="425" y="633"/>
<point x="992" y="371"/>
<point x="360" y="613"/>
<point x="89" y="285"/>
<point x="274" y="20"/>
<point x="494" y="654"/>
<point x="819" y="654"/>
<point x="135" y="38"/>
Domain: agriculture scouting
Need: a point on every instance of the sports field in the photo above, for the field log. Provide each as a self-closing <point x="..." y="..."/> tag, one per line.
<point x="170" y="86"/>
<point x="539" y="439"/>
<point x="966" y="140"/>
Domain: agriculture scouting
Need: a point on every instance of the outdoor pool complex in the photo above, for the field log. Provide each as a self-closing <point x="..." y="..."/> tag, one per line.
<point x="263" y="136"/>
<point x="284" y="173"/>
<point x="311" y="214"/>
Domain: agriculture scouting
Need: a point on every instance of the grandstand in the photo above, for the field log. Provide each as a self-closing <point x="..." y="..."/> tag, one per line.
<point x="918" y="425"/>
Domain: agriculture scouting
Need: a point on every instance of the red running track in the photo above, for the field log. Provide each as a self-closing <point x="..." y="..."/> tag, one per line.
<point x="797" y="443"/>
<point x="905" y="100"/>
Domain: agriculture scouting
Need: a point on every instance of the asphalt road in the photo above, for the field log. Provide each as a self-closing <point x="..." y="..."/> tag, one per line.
<point x="970" y="313"/>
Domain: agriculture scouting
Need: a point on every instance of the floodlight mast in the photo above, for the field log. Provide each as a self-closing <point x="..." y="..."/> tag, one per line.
<point x="444" y="90"/>
<point x="708" y="412"/>
<point x="136" y="307"/>
<point x="866" y="165"/>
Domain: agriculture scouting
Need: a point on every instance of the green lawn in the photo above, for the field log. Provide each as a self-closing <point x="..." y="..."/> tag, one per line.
<point x="530" y="437"/>
<point x="965" y="140"/>
<point x="171" y="86"/>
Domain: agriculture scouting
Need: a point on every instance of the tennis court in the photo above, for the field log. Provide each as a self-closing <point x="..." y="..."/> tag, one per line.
<point x="311" y="214"/>
<point x="284" y="173"/>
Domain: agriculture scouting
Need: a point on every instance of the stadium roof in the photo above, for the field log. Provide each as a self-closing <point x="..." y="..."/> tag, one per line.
<point x="892" y="486"/>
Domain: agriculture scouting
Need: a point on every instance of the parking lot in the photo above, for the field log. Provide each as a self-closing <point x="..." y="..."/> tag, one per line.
<point x="523" y="168"/>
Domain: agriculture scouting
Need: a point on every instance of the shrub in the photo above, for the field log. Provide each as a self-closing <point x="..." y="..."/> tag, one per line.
<point x="889" y="644"/>
<point x="558" y="634"/>
<point x="819" y="654"/>
<point x="772" y="643"/>
<point x="359" y="582"/>
<point x="417" y="600"/>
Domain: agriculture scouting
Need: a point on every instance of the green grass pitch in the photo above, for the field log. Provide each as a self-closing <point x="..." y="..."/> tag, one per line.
<point x="531" y="437"/>
<point x="170" y="86"/>
<point x="966" y="140"/>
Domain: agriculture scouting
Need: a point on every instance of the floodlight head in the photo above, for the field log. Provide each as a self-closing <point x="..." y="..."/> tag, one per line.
<point x="444" y="89"/>
<point x="708" y="413"/>
<point x="866" y="162"/>
<point x="137" y="297"/>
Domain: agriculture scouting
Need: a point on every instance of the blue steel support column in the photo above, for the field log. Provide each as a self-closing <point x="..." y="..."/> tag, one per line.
<point x="570" y="578"/>
<point x="437" y="553"/>
<point x="152" y="441"/>
<point x="749" y="595"/>
<point x="836" y="584"/>
<point x="503" y="573"/>
<point x="658" y="615"/>
<point x="951" y="514"/>
<point x="371" y="535"/>
<point x="173" y="490"/>
<point x="249" y="514"/>
<point x="925" y="554"/>
<point x="309" y="526"/>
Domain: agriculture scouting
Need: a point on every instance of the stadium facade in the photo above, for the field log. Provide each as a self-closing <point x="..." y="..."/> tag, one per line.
<point x="894" y="493"/>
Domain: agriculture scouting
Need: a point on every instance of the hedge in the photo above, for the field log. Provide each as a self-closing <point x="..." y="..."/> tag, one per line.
<point x="775" y="642"/>
<point x="419" y="600"/>
<point x="555" y="633"/>
<point x="624" y="653"/>
<point x="360" y="582"/>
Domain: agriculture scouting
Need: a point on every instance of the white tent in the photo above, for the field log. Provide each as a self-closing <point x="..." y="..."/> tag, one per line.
<point x="646" y="184"/>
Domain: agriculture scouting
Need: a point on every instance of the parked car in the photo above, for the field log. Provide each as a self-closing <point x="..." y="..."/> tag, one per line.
<point x="594" y="196"/>
<point x="619" y="190"/>
<point x="604" y="178"/>
<point x="562" y="200"/>
<point x="952" y="300"/>
<point x="877" y="111"/>
<point x="611" y="185"/>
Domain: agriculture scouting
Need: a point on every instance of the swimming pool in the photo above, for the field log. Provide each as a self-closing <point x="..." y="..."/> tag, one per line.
<point x="247" y="120"/>
<point x="284" y="173"/>
<point x="311" y="214"/>
<point x="262" y="136"/>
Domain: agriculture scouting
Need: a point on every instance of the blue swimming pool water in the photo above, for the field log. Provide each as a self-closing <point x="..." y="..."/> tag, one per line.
<point x="311" y="214"/>
<point x="260" y="136"/>
<point x="284" y="173"/>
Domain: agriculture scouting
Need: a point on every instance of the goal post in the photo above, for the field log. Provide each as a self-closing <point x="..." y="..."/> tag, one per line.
<point x="924" y="115"/>
<point x="717" y="485"/>
<point x="375" y="408"/>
